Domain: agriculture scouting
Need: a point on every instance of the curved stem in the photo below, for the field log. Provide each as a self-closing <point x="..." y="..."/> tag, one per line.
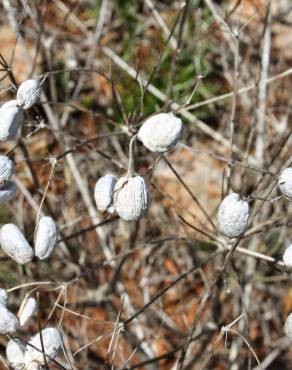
<point x="131" y="157"/>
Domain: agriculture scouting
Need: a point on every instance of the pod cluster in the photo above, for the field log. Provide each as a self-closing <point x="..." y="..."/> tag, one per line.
<point x="9" y="323"/>
<point x="129" y="195"/>
<point x="31" y="356"/>
<point x="14" y="243"/>
<point x="11" y="112"/>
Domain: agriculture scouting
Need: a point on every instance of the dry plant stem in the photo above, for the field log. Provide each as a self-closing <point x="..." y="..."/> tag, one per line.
<point x="223" y="331"/>
<point x="162" y="24"/>
<point x="233" y="109"/>
<point x="262" y="94"/>
<point x="204" y="302"/>
<point x="189" y="192"/>
<point x="234" y="162"/>
<point x="41" y="336"/>
<point x="131" y="166"/>
<point x="157" y="65"/>
<point x="241" y="90"/>
<point x="53" y="165"/>
<point x="176" y="281"/>
<point x="90" y="58"/>
<point x="174" y="59"/>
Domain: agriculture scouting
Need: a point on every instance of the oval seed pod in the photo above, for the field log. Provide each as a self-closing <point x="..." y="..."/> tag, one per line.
<point x="52" y="344"/>
<point x="15" y="245"/>
<point x="287" y="256"/>
<point x="3" y="297"/>
<point x="288" y="326"/>
<point x="28" y="93"/>
<point x="161" y="132"/>
<point x="46" y="237"/>
<point x="11" y="117"/>
<point x="15" y="354"/>
<point x="6" y="169"/>
<point x="131" y="198"/>
<point x="7" y="191"/>
<point x="285" y="183"/>
<point x="27" y="309"/>
<point x="8" y="321"/>
<point x="232" y="216"/>
<point x="103" y="192"/>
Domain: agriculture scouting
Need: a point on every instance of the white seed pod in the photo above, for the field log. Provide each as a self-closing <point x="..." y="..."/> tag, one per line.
<point x="3" y="297"/>
<point x="11" y="117"/>
<point x="8" y="321"/>
<point x="131" y="198"/>
<point x="15" y="245"/>
<point x="15" y="354"/>
<point x="52" y="344"/>
<point x="285" y="183"/>
<point x="6" y="169"/>
<point x="287" y="256"/>
<point x="161" y="132"/>
<point x="27" y="310"/>
<point x="103" y="192"/>
<point x="7" y="191"/>
<point x="28" y="93"/>
<point x="288" y="326"/>
<point x="46" y="237"/>
<point x="232" y="216"/>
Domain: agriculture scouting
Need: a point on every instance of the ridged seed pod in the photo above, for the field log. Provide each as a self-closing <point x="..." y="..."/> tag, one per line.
<point x="11" y="117"/>
<point x="15" y="245"/>
<point x="288" y="326"/>
<point x="3" y="297"/>
<point x="287" y="256"/>
<point x="285" y="183"/>
<point x="52" y="344"/>
<point x="6" y="169"/>
<point x="28" y="93"/>
<point x="232" y="216"/>
<point x="27" y="310"/>
<point x="15" y="354"/>
<point x="8" y="321"/>
<point x="103" y="192"/>
<point x="131" y="198"/>
<point x="7" y="191"/>
<point x="161" y="132"/>
<point x="46" y="237"/>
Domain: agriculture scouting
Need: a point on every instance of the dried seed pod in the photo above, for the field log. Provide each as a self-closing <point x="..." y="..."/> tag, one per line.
<point x="3" y="297"/>
<point x="131" y="198"/>
<point x="288" y="326"/>
<point x="103" y="192"/>
<point x="285" y="183"/>
<point x="46" y="237"/>
<point x="52" y="342"/>
<point x="232" y="216"/>
<point x="287" y="256"/>
<point x="27" y="309"/>
<point x="11" y="117"/>
<point x="7" y="191"/>
<point x="15" y="245"/>
<point x="8" y="321"/>
<point x="6" y="169"/>
<point x="161" y="132"/>
<point x="15" y="354"/>
<point x="28" y="93"/>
